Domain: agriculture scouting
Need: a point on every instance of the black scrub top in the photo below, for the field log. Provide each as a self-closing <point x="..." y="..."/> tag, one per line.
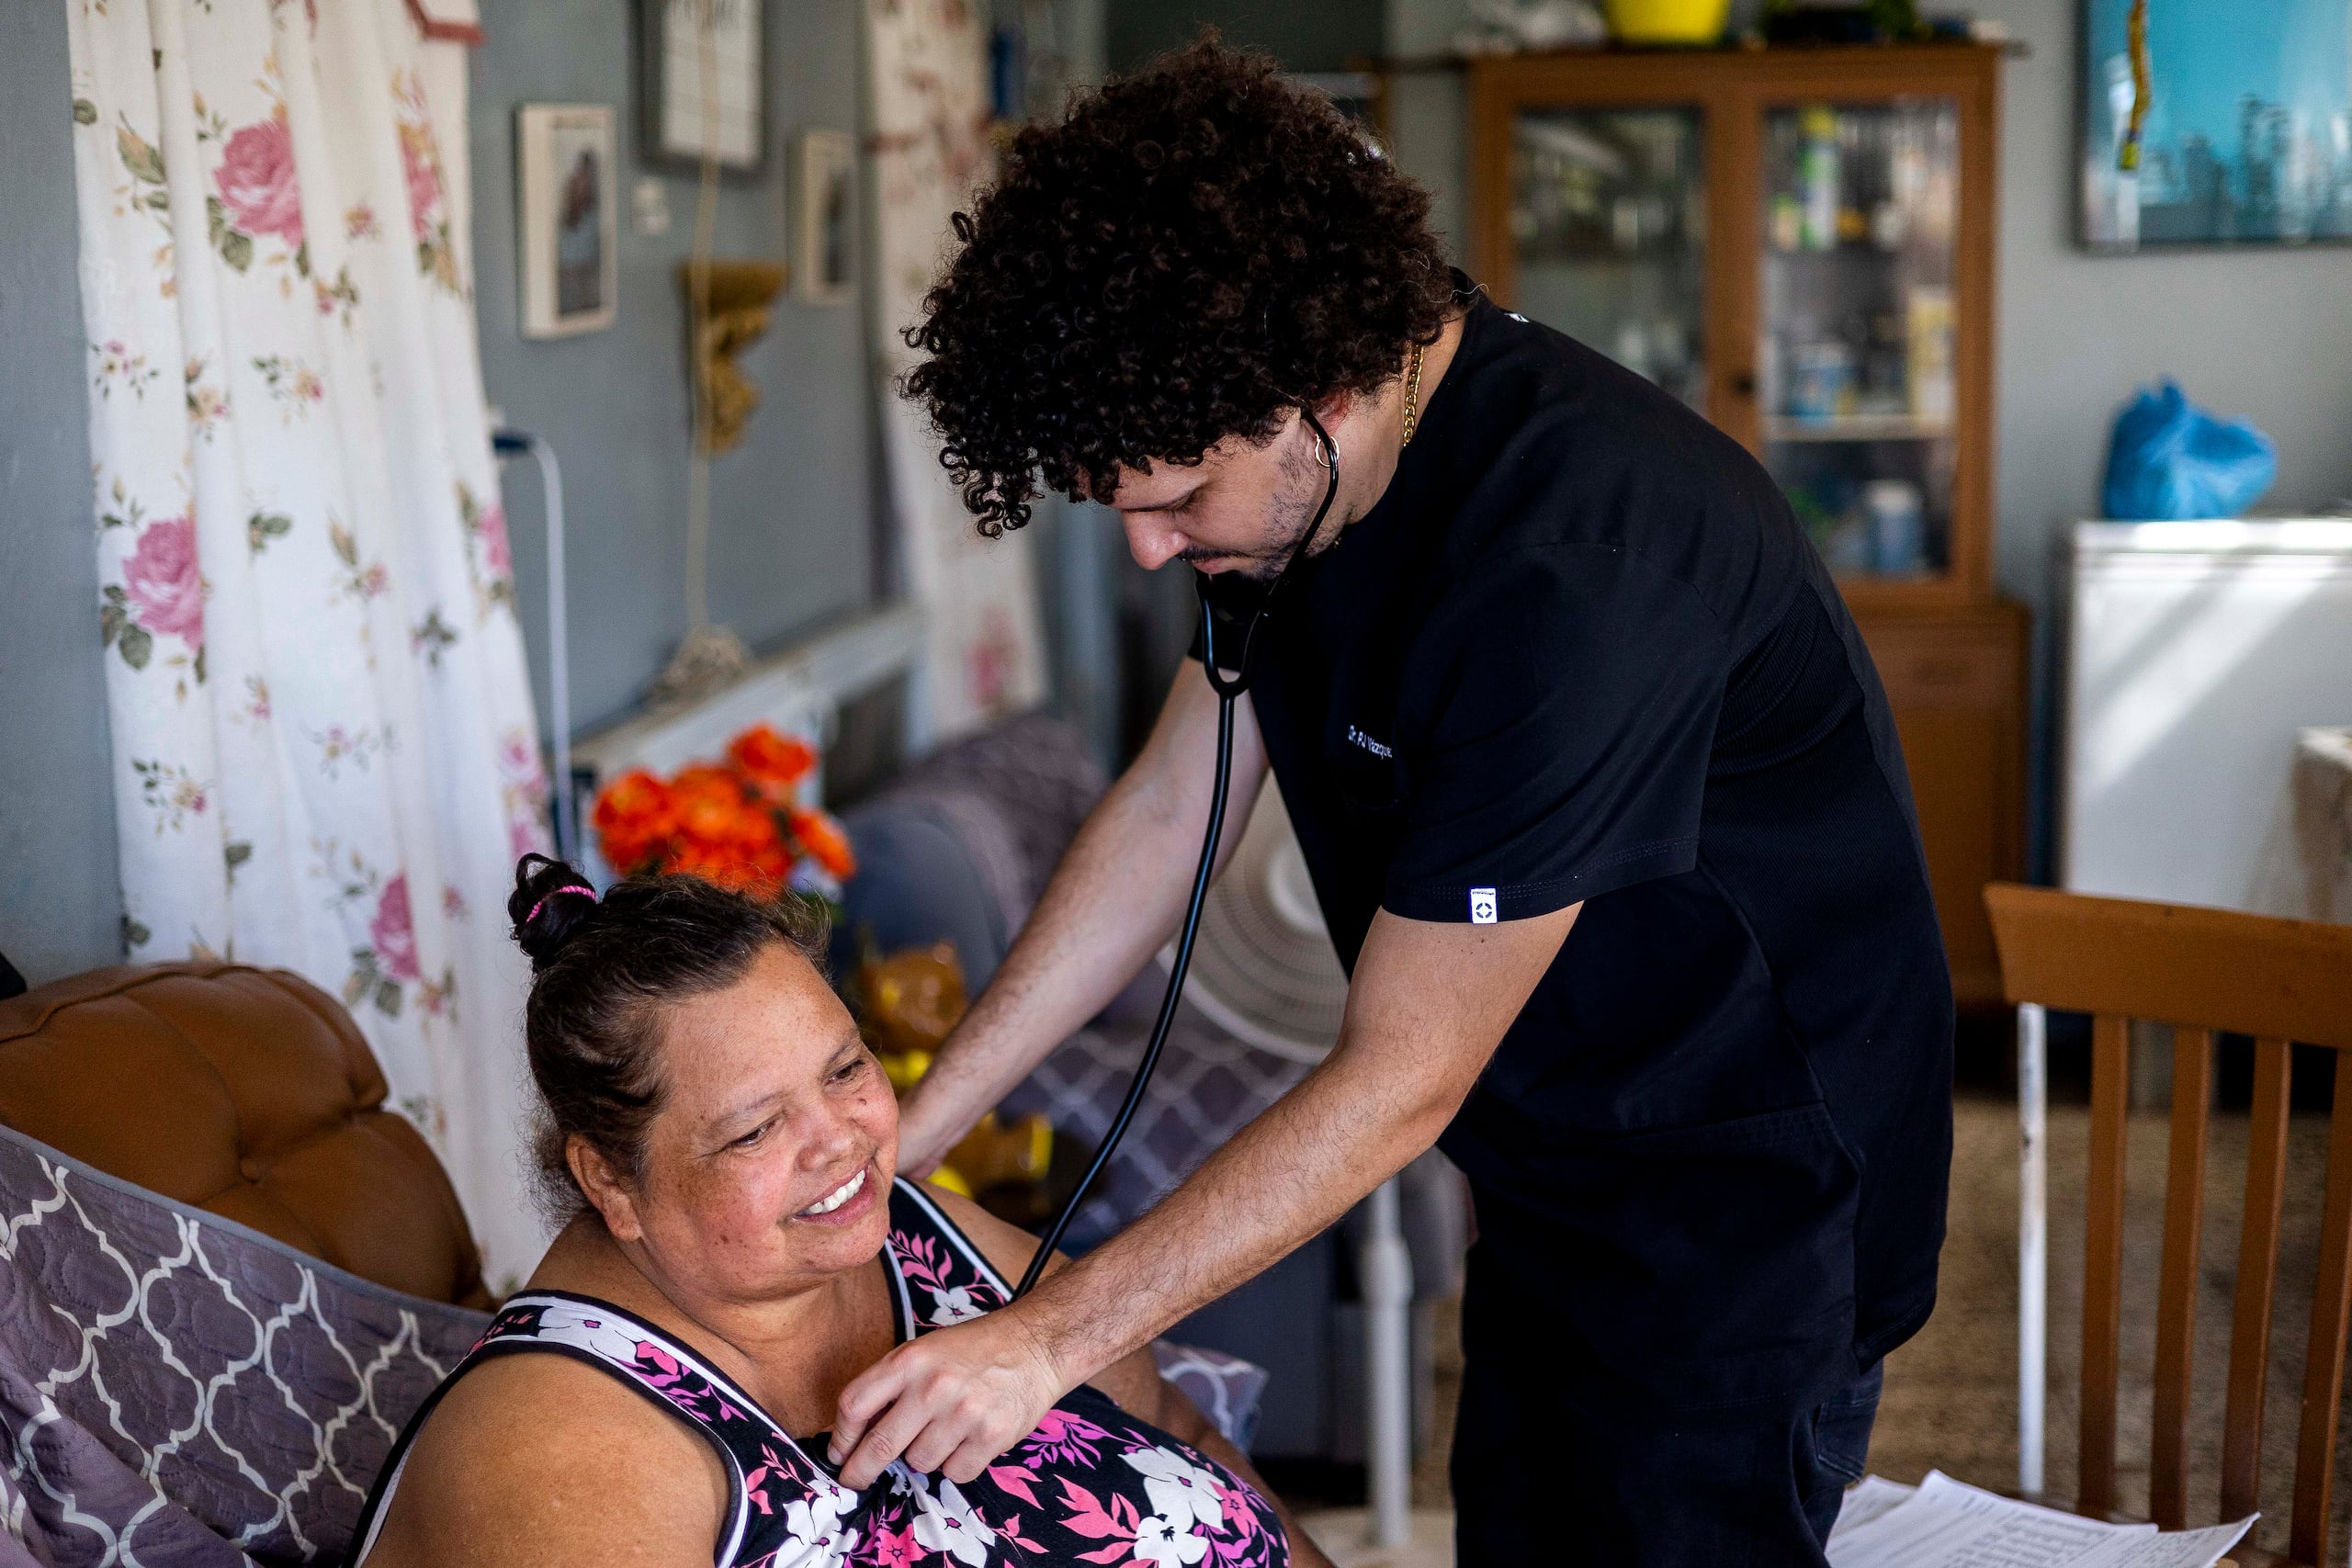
<point x="1580" y="652"/>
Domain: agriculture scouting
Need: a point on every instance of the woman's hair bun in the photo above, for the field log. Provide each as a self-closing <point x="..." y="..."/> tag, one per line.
<point x="549" y="902"/>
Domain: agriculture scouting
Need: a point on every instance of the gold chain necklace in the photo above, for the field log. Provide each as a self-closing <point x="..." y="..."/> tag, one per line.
<point x="1412" y="399"/>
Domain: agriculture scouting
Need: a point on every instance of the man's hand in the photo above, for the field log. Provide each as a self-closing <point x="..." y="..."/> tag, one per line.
<point x="951" y="1401"/>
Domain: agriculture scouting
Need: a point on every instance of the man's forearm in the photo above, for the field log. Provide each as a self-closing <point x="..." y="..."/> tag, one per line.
<point x="1303" y="1164"/>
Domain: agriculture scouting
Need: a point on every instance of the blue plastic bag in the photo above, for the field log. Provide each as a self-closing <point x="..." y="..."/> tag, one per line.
<point x="2170" y="461"/>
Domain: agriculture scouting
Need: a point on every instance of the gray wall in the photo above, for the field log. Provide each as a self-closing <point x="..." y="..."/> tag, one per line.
<point x="61" y="903"/>
<point x="792" y="509"/>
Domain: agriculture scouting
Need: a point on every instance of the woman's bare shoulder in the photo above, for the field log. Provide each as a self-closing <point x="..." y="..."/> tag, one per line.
<point x="538" y="1458"/>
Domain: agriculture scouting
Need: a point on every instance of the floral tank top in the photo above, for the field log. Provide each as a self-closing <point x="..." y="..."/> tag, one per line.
<point x="1090" y="1485"/>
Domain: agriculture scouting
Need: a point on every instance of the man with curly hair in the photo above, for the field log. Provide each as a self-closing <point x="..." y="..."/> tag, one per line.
<point x="1600" y="792"/>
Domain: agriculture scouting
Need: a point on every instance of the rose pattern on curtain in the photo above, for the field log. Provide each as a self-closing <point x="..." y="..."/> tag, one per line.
<point x="325" y="752"/>
<point x="928" y="147"/>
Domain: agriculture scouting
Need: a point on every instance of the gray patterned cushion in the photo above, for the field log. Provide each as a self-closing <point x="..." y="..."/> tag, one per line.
<point x="1225" y="1388"/>
<point x="178" y="1389"/>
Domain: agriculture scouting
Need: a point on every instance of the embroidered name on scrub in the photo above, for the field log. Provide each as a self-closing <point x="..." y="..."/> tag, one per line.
<point x="1357" y="737"/>
<point x="1481" y="906"/>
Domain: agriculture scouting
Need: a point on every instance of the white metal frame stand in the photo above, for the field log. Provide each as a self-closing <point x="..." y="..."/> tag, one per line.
<point x="1385" y="1267"/>
<point x="562" y="809"/>
<point x="2033" y="1242"/>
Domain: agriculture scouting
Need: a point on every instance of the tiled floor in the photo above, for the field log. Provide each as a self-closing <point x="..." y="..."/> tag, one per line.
<point x="1341" y="1533"/>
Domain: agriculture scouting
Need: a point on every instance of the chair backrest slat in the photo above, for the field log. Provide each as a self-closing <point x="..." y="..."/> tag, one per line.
<point x="2103" y="1263"/>
<point x="2257" y="1284"/>
<point x="2192" y="1105"/>
<point x="2200" y="970"/>
<point x="2331" y="1306"/>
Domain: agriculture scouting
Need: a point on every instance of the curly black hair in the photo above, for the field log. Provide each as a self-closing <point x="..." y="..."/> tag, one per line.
<point x="1188" y="252"/>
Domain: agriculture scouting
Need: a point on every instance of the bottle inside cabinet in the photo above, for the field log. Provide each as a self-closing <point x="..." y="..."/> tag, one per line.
<point x="1856" y="332"/>
<point x="1607" y="221"/>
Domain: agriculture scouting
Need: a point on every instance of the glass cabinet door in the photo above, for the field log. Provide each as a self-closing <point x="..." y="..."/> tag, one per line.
<point x="1855" y="357"/>
<point x="1608" y="230"/>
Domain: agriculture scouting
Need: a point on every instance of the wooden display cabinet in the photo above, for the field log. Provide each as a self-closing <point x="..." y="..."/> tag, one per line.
<point x="1957" y="681"/>
<point x="1799" y="243"/>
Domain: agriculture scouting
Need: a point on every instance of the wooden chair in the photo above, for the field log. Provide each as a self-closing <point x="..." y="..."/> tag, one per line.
<point x="2202" y="971"/>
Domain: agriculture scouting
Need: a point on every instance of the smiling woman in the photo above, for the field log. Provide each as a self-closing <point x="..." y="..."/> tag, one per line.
<point x="722" y="1151"/>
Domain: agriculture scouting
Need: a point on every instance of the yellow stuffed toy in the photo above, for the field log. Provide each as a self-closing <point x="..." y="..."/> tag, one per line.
<point x="906" y="1004"/>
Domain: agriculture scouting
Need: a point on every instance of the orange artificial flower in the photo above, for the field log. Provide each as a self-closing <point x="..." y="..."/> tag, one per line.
<point x="727" y="869"/>
<point x="743" y="848"/>
<point x="634" y="817"/>
<point x="756" y="835"/>
<point x="821" y="838"/>
<point x="727" y="823"/>
<point x="710" y="804"/>
<point x="772" y="762"/>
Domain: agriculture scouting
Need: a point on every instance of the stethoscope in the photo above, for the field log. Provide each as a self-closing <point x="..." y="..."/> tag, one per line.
<point x="1227" y="687"/>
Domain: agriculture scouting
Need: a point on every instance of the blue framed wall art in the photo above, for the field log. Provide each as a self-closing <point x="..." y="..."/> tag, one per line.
<point x="2244" y="133"/>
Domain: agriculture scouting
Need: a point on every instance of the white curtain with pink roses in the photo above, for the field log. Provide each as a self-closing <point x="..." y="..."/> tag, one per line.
<point x="325" y="757"/>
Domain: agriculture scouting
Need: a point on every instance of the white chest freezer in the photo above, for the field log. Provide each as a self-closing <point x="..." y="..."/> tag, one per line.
<point x="2194" y="652"/>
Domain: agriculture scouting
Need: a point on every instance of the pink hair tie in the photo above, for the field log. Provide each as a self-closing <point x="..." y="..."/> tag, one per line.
<point x="567" y="888"/>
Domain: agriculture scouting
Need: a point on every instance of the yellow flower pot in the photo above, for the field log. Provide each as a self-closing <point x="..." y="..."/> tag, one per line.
<point x="1669" y="21"/>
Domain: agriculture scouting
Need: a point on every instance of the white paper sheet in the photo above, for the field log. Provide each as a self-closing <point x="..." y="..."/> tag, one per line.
<point x="1944" y="1524"/>
<point x="2180" y="1548"/>
<point x="1865" y="1501"/>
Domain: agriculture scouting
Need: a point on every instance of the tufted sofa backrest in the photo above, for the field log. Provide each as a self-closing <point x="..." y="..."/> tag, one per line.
<point x="247" y="1092"/>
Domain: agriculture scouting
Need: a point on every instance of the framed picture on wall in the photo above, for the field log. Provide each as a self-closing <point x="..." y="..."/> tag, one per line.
<point x="824" y="260"/>
<point x="566" y="218"/>
<point x="703" y="65"/>
<point x="2237" y="117"/>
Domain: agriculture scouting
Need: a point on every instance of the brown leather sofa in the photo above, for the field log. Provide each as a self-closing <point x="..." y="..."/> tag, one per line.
<point x="247" y="1092"/>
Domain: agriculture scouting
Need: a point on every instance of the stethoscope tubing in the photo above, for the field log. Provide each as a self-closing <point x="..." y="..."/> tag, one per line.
<point x="1227" y="689"/>
<point x="1183" y="961"/>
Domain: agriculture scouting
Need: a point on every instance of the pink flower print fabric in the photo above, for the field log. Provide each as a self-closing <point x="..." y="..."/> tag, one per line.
<point x="1090" y="1485"/>
<point x="393" y="931"/>
<point x="956" y="1289"/>
<point x="161" y="580"/>
<point x="422" y="176"/>
<point x="257" y="180"/>
<point x="497" y="553"/>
